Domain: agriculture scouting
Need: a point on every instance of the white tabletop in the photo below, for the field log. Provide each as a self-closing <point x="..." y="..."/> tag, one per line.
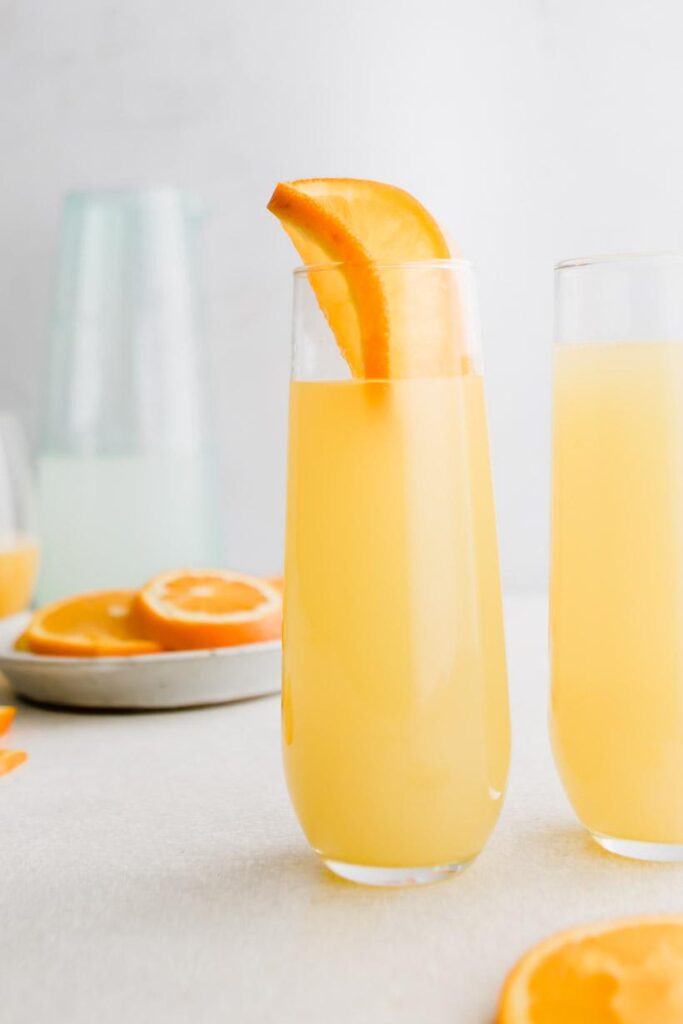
<point x="151" y="869"/>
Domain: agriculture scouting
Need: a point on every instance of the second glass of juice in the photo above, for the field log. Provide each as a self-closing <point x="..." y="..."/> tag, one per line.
<point x="395" y="713"/>
<point x="617" y="550"/>
<point x="18" y="538"/>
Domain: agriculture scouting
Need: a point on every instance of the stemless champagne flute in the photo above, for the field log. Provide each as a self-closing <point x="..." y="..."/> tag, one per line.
<point x="18" y="542"/>
<point x="395" y="715"/>
<point x="617" y="549"/>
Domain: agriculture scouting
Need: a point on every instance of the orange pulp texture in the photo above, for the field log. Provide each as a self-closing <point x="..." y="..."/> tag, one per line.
<point x="625" y="972"/>
<point x="214" y="608"/>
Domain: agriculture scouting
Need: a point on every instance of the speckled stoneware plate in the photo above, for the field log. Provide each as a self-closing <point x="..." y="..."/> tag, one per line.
<point x="179" y="679"/>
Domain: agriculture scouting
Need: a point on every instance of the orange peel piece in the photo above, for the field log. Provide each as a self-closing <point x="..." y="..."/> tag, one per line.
<point x="11" y="759"/>
<point x="7" y="715"/>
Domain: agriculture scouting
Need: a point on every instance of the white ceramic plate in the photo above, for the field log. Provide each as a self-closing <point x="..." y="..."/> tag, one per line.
<point x="179" y="679"/>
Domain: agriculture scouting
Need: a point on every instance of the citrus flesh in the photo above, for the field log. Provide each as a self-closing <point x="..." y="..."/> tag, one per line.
<point x="186" y="610"/>
<point x="354" y="236"/>
<point x="101" y="624"/>
<point x="625" y="972"/>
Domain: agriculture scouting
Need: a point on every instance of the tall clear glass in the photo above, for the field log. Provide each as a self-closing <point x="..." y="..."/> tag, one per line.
<point x="18" y="535"/>
<point x="126" y="459"/>
<point x="395" y="714"/>
<point x="617" y="549"/>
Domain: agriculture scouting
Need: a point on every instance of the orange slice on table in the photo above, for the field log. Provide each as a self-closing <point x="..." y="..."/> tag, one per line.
<point x="624" y="972"/>
<point x="11" y="759"/>
<point x="101" y="624"/>
<point x="388" y="322"/>
<point x="212" y="608"/>
<point x="7" y="714"/>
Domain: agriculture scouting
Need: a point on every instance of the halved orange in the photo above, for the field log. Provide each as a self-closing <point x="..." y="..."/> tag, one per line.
<point x="212" y="608"/>
<point x="7" y="713"/>
<point x="100" y="624"/>
<point x="388" y="321"/>
<point x="11" y="759"/>
<point x="623" y="972"/>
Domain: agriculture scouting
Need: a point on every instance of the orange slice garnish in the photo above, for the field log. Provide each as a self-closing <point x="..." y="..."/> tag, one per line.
<point x="213" y="608"/>
<point x="11" y="759"/>
<point x="623" y="972"/>
<point x="388" y="322"/>
<point x="7" y="713"/>
<point x="101" y="624"/>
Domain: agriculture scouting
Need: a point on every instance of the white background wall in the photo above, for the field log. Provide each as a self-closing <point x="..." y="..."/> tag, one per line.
<point x="534" y="130"/>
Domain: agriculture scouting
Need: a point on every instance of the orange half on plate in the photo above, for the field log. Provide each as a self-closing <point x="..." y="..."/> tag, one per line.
<point x="100" y="624"/>
<point x="213" y="608"/>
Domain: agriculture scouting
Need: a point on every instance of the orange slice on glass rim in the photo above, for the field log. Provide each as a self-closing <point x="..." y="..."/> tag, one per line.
<point x="213" y="608"/>
<point x="100" y="624"/>
<point x="388" y="322"/>
<point x="623" y="972"/>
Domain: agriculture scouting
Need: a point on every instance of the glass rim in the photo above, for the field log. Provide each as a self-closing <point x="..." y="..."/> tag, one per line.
<point x="111" y="193"/>
<point x="602" y="259"/>
<point x="436" y="264"/>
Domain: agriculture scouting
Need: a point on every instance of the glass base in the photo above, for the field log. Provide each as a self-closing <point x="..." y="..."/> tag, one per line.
<point x="394" y="877"/>
<point x="663" y="852"/>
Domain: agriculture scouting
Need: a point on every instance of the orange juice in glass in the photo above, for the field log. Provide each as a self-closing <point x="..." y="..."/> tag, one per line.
<point x="395" y="716"/>
<point x="617" y="550"/>
<point x="18" y="543"/>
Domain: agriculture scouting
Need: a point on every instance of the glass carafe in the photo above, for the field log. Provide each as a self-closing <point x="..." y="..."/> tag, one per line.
<point x="126" y="462"/>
